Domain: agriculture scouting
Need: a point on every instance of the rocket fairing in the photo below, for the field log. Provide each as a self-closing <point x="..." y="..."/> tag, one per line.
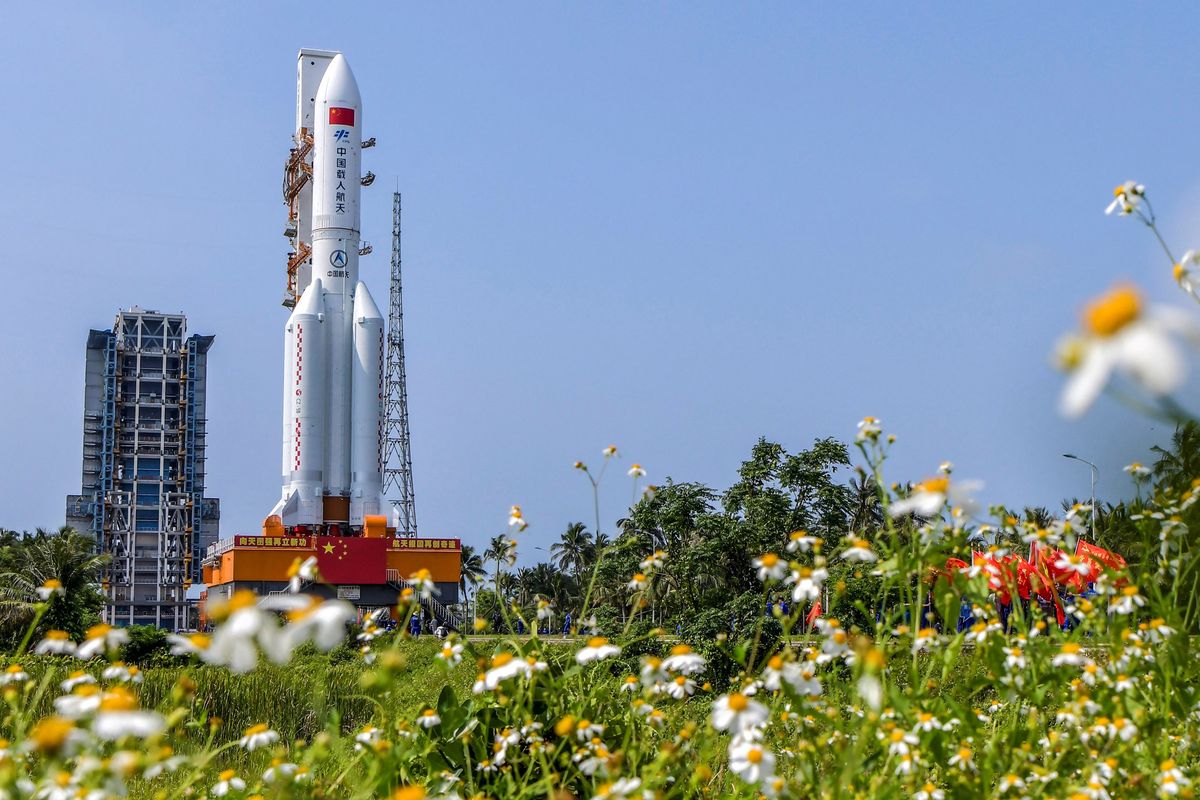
<point x="334" y="340"/>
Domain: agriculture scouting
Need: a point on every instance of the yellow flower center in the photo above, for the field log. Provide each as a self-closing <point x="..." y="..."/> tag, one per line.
<point x="254" y="730"/>
<point x="754" y="755"/>
<point x="680" y="650"/>
<point x="226" y="775"/>
<point x="118" y="700"/>
<point x="1070" y="648"/>
<point x="51" y="733"/>
<point x="934" y="485"/>
<point x="57" y="636"/>
<point x="501" y="659"/>
<point x="1112" y="312"/>
<point x="769" y="560"/>
<point x="738" y="702"/>
<point x="597" y="641"/>
<point x="775" y="663"/>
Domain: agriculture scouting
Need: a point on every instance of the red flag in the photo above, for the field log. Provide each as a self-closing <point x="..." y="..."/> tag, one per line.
<point x="995" y="574"/>
<point x="1100" y="559"/>
<point x="1044" y="584"/>
<point x="341" y="116"/>
<point x="813" y="614"/>
<point x="351" y="559"/>
<point x="1019" y="573"/>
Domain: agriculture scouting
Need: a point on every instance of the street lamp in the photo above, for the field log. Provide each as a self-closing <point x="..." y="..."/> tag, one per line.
<point x="1095" y="472"/>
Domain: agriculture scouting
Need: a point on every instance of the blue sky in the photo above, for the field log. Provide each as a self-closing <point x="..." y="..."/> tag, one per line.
<point x="671" y="227"/>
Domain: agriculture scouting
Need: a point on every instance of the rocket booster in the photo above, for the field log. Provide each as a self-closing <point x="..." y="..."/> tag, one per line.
<point x="334" y="339"/>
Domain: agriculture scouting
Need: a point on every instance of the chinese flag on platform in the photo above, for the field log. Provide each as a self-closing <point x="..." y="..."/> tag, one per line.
<point x="351" y="559"/>
<point x="813" y="614"/>
<point x="341" y="116"/>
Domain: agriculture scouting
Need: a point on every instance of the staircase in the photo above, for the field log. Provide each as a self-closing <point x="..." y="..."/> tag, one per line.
<point x="434" y="607"/>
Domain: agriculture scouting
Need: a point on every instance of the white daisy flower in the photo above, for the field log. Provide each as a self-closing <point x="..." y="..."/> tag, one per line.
<point x="808" y="584"/>
<point x="963" y="758"/>
<point x="737" y="713"/>
<point x="597" y="649"/>
<point x="50" y="588"/>
<point x="929" y="792"/>
<point x="1120" y="336"/>
<point x="681" y="687"/>
<point x="257" y="736"/>
<point x="751" y="761"/>
<point x="621" y="789"/>
<point x="120" y="672"/>
<point x="302" y="571"/>
<point x="1127" y="602"/>
<point x="771" y="567"/>
<point x="118" y="716"/>
<point x="367" y="737"/>
<point x="77" y="678"/>
<point x="516" y="519"/>
<point x="637" y="582"/>
<point x="56" y="643"/>
<point x="930" y="496"/>
<point x="429" y="719"/>
<point x="505" y="667"/>
<point x="13" y="674"/>
<point x="101" y="639"/>
<point x="227" y="782"/>
<point x="684" y="661"/>
<point x="653" y="561"/>
<point x="1170" y="779"/>
<point x="1126" y="198"/>
<point x="802" y="542"/>
<point x="1011" y="781"/>
<point x="1070" y="655"/>
<point x="858" y="550"/>
<point x="636" y="471"/>
<point x="451" y="653"/>
<point x="869" y="429"/>
<point x="284" y="770"/>
<point x="1185" y="273"/>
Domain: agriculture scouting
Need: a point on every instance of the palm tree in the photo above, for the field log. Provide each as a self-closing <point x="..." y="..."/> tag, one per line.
<point x="866" y="514"/>
<point x="571" y="551"/>
<point x="471" y="568"/>
<point x="497" y="551"/>
<point x="66" y="556"/>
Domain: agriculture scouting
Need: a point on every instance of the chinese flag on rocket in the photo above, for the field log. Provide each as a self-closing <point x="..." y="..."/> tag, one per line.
<point x="351" y="559"/>
<point x="341" y="116"/>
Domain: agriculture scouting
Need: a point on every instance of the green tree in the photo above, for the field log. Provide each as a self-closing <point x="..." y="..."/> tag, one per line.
<point x="471" y="570"/>
<point x="66" y="556"/>
<point x="571" y="551"/>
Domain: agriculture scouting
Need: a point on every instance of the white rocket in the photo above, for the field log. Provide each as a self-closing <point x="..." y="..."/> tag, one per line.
<point x="334" y="338"/>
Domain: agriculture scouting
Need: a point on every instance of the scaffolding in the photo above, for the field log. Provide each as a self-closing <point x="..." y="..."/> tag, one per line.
<point x="143" y="466"/>
<point x="397" y="455"/>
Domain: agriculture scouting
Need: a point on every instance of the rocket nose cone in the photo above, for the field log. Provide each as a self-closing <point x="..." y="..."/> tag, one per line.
<point x="338" y="83"/>
<point x="364" y="304"/>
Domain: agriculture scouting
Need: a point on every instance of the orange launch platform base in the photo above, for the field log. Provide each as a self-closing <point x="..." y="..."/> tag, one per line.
<point x="367" y="571"/>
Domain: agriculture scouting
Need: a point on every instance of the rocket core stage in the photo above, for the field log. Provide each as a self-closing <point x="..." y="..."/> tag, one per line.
<point x="334" y="339"/>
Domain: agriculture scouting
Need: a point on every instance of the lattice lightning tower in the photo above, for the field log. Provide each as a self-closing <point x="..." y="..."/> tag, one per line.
<point x="397" y="455"/>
